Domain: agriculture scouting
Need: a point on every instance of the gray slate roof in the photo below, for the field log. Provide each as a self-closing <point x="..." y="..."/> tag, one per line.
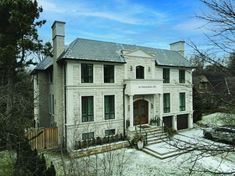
<point x="44" y="64"/>
<point x="84" y="49"/>
<point x="93" y="50"/>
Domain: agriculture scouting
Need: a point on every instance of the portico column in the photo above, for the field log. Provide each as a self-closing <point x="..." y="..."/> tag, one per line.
<point x="154" y="106"/>
<point x="174" y="122"/>
<point x="190" y="120"/>
<point x="131" y="112"/>
<point x="161" y="109"/>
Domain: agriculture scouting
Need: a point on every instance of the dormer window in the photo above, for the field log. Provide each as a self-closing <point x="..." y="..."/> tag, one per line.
<point x="139" y="72"/>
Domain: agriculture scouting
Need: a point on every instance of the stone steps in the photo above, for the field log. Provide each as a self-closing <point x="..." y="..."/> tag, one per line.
<point x="155" y="135"/>
<point x="160" y="155"/>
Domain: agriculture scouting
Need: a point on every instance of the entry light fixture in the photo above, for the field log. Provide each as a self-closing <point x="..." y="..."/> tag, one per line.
<point x="131" y="68"/>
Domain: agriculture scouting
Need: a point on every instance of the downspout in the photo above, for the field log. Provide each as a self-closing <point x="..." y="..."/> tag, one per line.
<point x="65" y="108"/>
<point x="124" y="121"/>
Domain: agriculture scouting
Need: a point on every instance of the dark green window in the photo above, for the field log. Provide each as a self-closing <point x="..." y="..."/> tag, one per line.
<point x="182" y="101"/>
<point x="166" y="102"/>
<point x="166" y="75"/>
<point x="109" y="107"/>
<point x="109" y="73"/>
<point x="110" y="132"/>
<point x="87" y="136"/>
<point x="139" y="72"/>
<point x="182" y="76"/>
<point x="87" y="73"/>
<point x="50" y="76"/>
<point x="87" y="109"/>
<point x="51" y="103"/>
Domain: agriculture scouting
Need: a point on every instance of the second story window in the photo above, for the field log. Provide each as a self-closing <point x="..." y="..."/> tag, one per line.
<point x="166" y="75"/>
<point x="87" y="109"/>
<point x="139" y="72"/>
<point x="166" y="102"/>
<point x="182" y="101"/>
<point x="109" y="107"/>
<point x="51" y="103"/>
<point x="87" y="73"/>
<point x="108" y="73"/>
<point x="50" y="76"/>
<point x="181" y="76"/>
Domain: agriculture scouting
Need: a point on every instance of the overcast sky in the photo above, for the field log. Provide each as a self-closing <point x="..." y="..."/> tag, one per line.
<point x="153" y="23"/>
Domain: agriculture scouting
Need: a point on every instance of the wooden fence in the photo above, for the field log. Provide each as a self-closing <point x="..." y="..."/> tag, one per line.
<point x="43" y="138"/>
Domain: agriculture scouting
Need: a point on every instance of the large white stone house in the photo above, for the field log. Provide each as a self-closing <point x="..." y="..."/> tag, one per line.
<point x="94" y="88"/>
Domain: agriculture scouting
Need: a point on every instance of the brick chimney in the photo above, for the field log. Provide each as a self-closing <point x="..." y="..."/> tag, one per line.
<point x="58" y="38"/>
<point x="178" y="46"/>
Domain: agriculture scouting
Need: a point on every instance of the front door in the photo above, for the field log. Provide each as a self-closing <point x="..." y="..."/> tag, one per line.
<point x="140" y="112"/>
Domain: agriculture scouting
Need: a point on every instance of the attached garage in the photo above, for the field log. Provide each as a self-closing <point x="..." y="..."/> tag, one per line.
<point x="182" y="121"/>
<point x="168" y="121"/>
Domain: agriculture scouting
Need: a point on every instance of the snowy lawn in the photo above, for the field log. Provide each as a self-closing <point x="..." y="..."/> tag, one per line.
<point x="217" y="119"/>
<point x="132" y="162"/>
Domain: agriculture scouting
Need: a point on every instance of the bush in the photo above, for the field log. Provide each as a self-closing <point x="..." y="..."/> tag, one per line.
<point x="170" y="132"/>
<point x="29" y="163"/>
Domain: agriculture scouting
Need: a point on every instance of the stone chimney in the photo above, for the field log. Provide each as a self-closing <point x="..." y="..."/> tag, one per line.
<point x="58" y="38"/>
<point x="178" y="46"/>
<point x="58" y="48"/>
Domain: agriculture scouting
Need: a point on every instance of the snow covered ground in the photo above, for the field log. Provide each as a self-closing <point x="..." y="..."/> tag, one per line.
<point x="217" y="119"/>
<point x="132" y="162"/>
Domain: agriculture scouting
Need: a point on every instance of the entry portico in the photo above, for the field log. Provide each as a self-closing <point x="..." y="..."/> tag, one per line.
<point x="144" y="99"/>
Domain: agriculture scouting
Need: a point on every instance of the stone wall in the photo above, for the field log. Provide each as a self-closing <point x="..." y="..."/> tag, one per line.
<point x="75" y="90"/>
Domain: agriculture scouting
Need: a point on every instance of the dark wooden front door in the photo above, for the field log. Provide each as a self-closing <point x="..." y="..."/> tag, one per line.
<point x="140" y="112"/>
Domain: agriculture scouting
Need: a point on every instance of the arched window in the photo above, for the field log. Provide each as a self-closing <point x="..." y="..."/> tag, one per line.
<point x="139" y="72"/>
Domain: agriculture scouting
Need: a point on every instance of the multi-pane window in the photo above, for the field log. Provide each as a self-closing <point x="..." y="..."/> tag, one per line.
<point x="109" y="73"/>
<point x="110" y="132"/>
<point x="139" y="72"/>
<point x="51" y="104"/>
<point x="87" y="109"/>
<point x="50" y="76"/>
<point x="87" y="136"/>
<point x="166" y="102"/>
<point x="182" y="101"/>
<point x="109" y="107"/>
<point x="166" y="75"/>
<point x="87" y="73"/>
<point x="181" y="76"/>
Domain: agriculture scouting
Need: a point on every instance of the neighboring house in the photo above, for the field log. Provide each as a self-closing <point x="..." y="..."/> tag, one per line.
<point x="95" y="88"/>
<point x="215" y="90"/>
<point x="202" y="84"/>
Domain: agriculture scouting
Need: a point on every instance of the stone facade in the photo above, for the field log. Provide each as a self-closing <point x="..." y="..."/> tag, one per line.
<point x="136" y="101"/>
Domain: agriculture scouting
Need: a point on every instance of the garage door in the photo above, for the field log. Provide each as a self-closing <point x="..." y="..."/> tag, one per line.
<point x="168" y="121"/>
<point x="182" y="121"/>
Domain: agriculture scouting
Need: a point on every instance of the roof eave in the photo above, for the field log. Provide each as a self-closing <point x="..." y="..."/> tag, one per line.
<point x="61" y="60"/>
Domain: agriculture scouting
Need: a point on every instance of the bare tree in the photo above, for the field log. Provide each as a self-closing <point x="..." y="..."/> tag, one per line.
<point x="220" y="18"/>
<point x="221" y="21"/>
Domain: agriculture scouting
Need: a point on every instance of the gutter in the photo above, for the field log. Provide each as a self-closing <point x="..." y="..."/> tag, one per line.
<point x="124" y="121"/>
